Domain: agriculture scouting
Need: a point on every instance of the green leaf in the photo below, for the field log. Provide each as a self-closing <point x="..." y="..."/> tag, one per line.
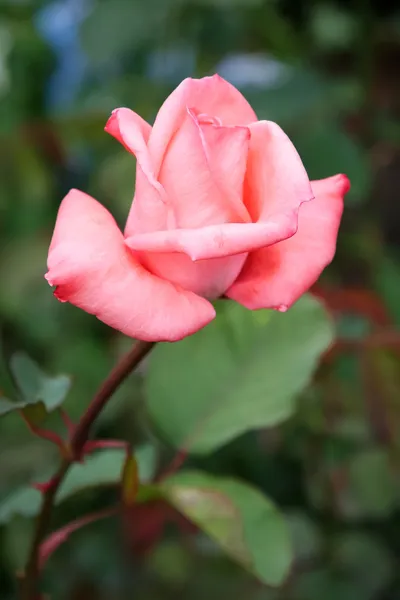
<point x="24" y="502"/>
<point x="101" y="469"/>
<point x="241" y="372"/>
<point x="7" y="406"/>
<point x="39" y="393"/>
<point x="243" y="522"/>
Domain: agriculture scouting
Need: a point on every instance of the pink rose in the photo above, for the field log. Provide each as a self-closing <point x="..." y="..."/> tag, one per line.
<point x="215" y="212"/>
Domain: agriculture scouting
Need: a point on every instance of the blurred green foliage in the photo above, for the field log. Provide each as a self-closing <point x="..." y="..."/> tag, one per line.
<point x="327" y="72"/>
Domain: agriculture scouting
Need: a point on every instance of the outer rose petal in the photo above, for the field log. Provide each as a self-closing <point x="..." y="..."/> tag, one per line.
<point x="216" y="241"/>
<point x="92" y="268"/>
<point x="210" y="95"/>
<point x="275" y="277"/>
<point x="276" y="181"/>
<point x="149" y="211"/>
<point x="192" y="173"/>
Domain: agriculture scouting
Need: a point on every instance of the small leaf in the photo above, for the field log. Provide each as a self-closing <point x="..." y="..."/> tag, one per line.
<point x="243" y="522"/>
<point x="39" y="393"/>
<point x="241" y="372"/>
<point x="36" y="386"/>
<point x="129" y="481"/>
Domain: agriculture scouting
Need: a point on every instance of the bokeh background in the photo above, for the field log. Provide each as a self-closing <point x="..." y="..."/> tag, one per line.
<point x="327" y="72"/>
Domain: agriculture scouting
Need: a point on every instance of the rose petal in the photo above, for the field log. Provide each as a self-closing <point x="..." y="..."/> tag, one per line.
<point x="149" y="210"/>
<point x="92" y="268"/>
<point x="210" y="95"/>
<point x="276" y="181"/>
<point x="226" y="149"/>
<point x="216" y="241"/>
<point x="275" y="277"/>
<point x="207" y="278"/>
<point x="194" y="172"/>
<point x="276" y="184"/>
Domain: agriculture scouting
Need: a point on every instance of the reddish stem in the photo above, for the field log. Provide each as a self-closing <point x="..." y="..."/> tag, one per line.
<point x="29" y="587"/>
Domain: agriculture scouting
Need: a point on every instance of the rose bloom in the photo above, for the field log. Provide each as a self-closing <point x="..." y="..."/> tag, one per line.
<point x="223" y="207"/>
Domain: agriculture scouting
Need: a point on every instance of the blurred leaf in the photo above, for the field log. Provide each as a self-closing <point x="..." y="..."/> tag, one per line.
<point x="332" y="27"/>
<point x="116" y="27"/>
<point x="365" y="560"/>
<point x="171" y="562"/>
<point x="322" y="583"/>
<point x="16" y="542"/>
<point x="7" y="406"/>
<point x="297" y="94"/>
<point x="146" y="457"/>
<point x="36" y="386"/>
<point x="25" y="502"/>
<point x="40" y="393"/>
<point x="327" y="150"/>
<point x="101" y="469"/>
<point x="241" y="372"/>
<point x="372" y="484"/>
<point x="244" y="523"/>
<point x="306" y="536"/>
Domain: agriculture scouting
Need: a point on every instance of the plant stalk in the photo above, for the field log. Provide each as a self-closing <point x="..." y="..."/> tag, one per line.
<point x="30" y="580"/>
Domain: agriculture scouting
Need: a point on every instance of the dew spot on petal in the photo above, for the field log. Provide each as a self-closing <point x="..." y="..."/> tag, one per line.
<point x="282" y="308"/>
